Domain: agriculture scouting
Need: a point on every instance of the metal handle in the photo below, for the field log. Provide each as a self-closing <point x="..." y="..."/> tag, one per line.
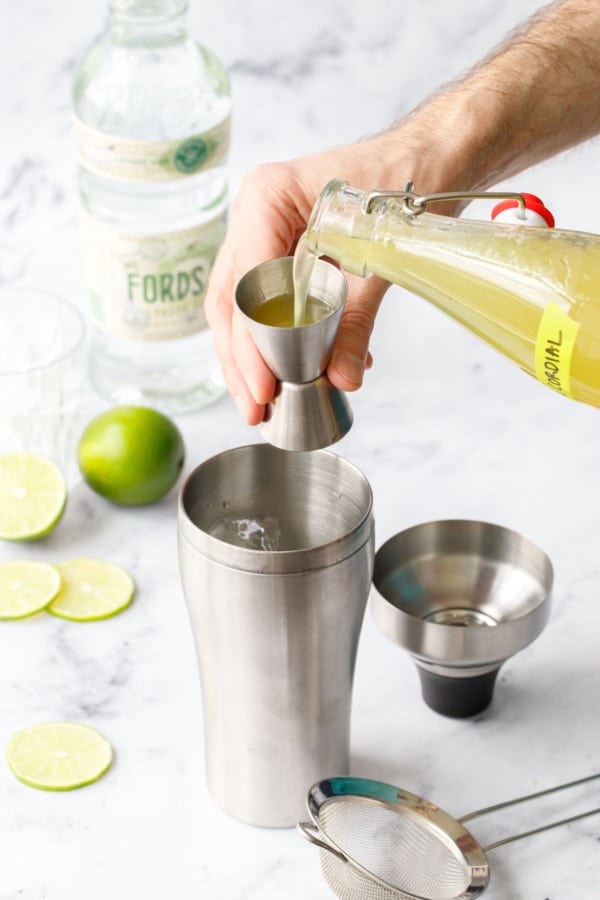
<point x="525" y="799"/>
<point x="312" y="834"/>
<point x="415" y="204"/>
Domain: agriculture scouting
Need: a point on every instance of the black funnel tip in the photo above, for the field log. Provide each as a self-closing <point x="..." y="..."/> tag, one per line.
<point x="458" y="698"/>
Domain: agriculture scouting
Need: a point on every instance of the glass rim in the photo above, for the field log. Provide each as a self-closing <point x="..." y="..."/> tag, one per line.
<point x="60" y="301"/>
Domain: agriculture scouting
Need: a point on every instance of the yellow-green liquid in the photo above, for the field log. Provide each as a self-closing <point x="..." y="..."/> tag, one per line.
<point x="494" y="279"/>
<point x="279" y="311"/>
<point x="303" y="266"/>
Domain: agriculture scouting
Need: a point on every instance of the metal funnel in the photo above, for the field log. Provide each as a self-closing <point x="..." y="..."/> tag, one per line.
<point x="307" y="412"/>
<point x="461" y="597"/>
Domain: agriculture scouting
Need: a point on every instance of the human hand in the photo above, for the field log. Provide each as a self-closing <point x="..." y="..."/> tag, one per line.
<point x="268" y="217"/>
<point x="469" y="135"/>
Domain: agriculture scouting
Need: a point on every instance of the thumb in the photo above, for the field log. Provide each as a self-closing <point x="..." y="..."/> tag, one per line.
<point x="351" y="348"/>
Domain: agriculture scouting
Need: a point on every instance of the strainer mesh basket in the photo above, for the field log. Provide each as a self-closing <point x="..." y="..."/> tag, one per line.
<point x="379" y="842"/>
<point x="397" y="846"/>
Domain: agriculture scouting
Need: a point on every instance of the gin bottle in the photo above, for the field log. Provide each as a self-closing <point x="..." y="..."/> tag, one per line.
<point x="152" y="112"/>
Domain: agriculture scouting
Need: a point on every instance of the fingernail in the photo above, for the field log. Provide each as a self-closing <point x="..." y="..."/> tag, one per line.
<point x="351" y="367"/>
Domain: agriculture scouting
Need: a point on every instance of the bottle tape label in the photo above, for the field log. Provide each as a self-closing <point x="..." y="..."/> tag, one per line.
<point x="152" y="161"/>
<point x="148" y="286"/>
<point x="554" y="346"/>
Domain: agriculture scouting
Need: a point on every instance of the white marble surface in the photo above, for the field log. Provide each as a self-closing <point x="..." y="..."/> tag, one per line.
<point x="444" y="427"/>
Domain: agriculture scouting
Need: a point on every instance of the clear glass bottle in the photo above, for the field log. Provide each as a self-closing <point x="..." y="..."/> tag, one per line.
<point x="152" y="117"/>
<point x="533" y="293"/>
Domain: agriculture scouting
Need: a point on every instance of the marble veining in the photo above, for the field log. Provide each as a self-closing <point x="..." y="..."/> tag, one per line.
<point x="444" y="428"/>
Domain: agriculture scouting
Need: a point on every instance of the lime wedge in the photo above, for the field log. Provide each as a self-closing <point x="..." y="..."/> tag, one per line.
<point x="26" y="587"/>
<point x="58" y="756"/>
<point x="33" y="494"/>
<point x="91" y="589"/>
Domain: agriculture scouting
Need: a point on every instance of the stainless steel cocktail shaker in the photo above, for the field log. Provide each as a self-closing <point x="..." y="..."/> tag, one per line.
<point x="276" y="556"/>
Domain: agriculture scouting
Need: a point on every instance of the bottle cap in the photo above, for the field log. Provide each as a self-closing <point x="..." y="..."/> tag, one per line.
<point x="535" y="213"/>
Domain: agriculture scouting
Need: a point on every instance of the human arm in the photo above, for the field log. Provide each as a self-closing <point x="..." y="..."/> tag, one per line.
<point x="536" y="95"/>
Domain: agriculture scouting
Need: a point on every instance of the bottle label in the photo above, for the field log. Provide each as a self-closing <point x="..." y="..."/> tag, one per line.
<point x="118" y="157"/>
<point x="554" y="346"/>
<point x="148" y="286"/>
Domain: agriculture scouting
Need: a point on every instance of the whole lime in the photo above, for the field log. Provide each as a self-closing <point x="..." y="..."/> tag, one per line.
<point x="132" y="455"/>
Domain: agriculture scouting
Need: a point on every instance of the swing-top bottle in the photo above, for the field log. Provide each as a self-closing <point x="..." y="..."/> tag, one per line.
<point x="533" y="293"/>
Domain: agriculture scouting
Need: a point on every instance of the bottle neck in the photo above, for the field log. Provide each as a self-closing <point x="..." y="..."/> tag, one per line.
<point x="339" y="227"/>
<point x="148" y="22"/>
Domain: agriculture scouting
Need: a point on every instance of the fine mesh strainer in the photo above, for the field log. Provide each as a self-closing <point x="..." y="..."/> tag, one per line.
<point x="379" y="842"/>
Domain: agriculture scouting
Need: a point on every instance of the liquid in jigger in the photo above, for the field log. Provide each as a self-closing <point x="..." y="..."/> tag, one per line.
<point x="280" y="311"/>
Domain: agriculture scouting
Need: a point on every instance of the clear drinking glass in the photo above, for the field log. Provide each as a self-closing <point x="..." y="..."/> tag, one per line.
<point x="41" y="374"/>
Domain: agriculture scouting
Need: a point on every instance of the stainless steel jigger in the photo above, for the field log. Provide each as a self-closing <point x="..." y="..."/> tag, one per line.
<point x="307" y="412"/>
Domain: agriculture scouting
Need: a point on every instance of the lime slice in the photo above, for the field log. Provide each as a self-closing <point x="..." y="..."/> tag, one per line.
<point x="26" y="587"/>
<point x="32" y="496"/>
<point x="58" y="756"/>
<point x="91" y="589"/>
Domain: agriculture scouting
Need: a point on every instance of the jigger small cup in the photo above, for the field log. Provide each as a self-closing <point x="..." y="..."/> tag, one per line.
<point x="307" y="411"/>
